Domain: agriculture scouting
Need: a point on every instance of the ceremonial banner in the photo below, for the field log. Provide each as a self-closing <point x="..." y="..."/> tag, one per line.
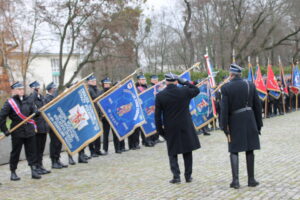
<point x="296" y="80"/>
<point x="260" y="85"/>
<point x="272" y="84"/>
<point x="187" y="75"/>
<point x="210" y="71"/>
<point x="147" y="98"/>
<point x="282" y="78"/>
<point x="204" y="113"/>
<point x="73" y="118"/>
<point x="250" y="73"/>
<point x="122" y="109"/>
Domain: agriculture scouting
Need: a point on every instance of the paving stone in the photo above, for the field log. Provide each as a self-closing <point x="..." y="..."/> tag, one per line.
<point x="144" y="174"/>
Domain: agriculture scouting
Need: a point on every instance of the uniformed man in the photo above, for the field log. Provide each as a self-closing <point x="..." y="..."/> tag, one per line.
<point x="141" y="85"/>
<point x="95" y="92"/>
<point x="154" y="138"/>
<point x="18" y="108"/>
<point x="172" y="112"/>
<point x="106" y="84"/>
<point x="241" y="120"/>
<point x="55" y="144"/>
<point x="42" y="126"/>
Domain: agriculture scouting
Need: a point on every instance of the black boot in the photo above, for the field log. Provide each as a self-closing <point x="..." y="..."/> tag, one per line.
<point x="62" y="164"/>
<point x="55" y="164"/>
<point x="34" y="172"/>
<point x="234" y="160"/>
<point x="175" y="180"/>
<point x="14" y="176"/>
<point x="71" y="161"/>
<point x="250" y="169"/>
<point x="42" y="170"/>
<point x="81" y="158"/>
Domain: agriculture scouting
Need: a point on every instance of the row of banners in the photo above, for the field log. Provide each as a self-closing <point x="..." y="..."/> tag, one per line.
<point x="75" y="121"/>
<point x="271" y="84"/>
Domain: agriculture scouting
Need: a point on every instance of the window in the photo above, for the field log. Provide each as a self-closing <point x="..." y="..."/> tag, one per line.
<point x="55" y="70"/>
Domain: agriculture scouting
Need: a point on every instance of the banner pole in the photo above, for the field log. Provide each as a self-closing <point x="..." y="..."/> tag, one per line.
<point x="41" y="109"/>
<point x="266" y="106"/>
<point x="220" y="85"/>
<point x="117" y="85"/>
<point x="297" y="102"/>
<point x="283" y="102"/>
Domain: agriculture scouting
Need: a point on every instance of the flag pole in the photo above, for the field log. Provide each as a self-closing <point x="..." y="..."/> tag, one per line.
<point x="41" y="109"/>
<point x="117" y="85"/>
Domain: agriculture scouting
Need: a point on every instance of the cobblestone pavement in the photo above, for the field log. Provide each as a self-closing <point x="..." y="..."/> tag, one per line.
<point x="144" y="174"/>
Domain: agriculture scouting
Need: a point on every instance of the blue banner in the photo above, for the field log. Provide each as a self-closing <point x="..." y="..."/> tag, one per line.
<point x="296" y="78"/>
<point x="187" y="75"/>
<point x="74" y="119"/>
<point x="203" y="107"/>
<point x="274" y="94"/>
<point x="123" y="110"/>
<point x="148" y="105"/>
<point x="261" y="95"/>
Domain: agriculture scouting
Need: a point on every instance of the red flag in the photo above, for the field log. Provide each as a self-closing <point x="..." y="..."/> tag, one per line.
<point x="271" y="80"/>
<point x="259" y="82"/>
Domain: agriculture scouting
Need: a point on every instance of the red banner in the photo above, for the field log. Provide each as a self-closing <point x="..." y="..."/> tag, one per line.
<point x="271" y="80"/>
<point x="259" y="82"/>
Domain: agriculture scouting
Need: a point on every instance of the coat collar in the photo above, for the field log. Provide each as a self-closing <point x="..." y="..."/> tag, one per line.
<point x="236" y="79"/>
<point x="171" y="86"/>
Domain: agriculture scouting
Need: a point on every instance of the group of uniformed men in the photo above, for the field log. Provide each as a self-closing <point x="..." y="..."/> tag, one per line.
<point x="33" y="134"/>
<point x="240" y="117"/>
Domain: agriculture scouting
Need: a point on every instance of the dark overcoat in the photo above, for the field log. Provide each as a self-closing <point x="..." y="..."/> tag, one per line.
<point x="39" y="101"/>
<point x="243" y="127"/>
<point x="173" y="119"/>
<point x="27" y="108"/>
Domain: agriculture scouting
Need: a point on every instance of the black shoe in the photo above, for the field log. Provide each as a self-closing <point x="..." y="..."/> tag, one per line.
<point x="81" y="158"/>
<point x="34" y="172"/>
<point x="104" y="153"/>
<point x="82" y="161"/>
<point x="124" y="150"/>
<point x="137" y="147"/>
<point x="118" y="151"/>
<point x="62" y="164"/>
<point x="206" y="133"/>
<point x="189" y="180"/>
<point x="252" y="183"/>
<point x="55" y="165"/>
<point x="175" y="181"/>
<point x="86" y="156"/>
<point x="94" y="155"/>
<point x="14" y="176"/>
<point x="71" y="161"/>
<point x="43" y="170"/>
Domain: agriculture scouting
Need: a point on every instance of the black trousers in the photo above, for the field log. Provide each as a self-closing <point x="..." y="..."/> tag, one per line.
<point x="188" y="165"/>
<point x="55" y="146"/>
<point x="95" y="146"/>
<point x="30" y="151"/>
<point x="122" y="145"/>
<point x="106" y="130"/>
<point x="134" y="139"/>
<point x="40" y="139"/>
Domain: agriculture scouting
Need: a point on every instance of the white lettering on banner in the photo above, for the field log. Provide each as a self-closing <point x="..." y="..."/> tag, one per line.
<point x="125" y="125"/>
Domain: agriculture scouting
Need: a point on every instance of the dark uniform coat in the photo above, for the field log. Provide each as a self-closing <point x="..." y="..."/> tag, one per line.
<point x="95" y="92"/>
<point x="172" y="105"/>
<point x="243" y="127"/>
<point x="27" y="108"/>
<point x="39" y="101"/>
